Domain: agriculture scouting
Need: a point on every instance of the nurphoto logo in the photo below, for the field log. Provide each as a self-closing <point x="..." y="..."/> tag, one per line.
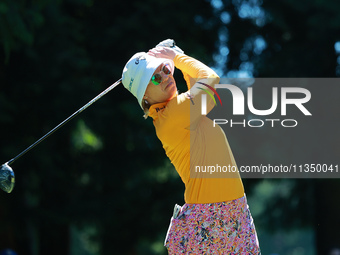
<point x="238" y="106"/>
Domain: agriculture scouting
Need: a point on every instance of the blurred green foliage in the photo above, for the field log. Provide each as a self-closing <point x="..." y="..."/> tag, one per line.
<point x="102" y="184"/>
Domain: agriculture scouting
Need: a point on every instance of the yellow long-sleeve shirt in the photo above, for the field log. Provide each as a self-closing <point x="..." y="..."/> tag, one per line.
<point x="190" y="140"/>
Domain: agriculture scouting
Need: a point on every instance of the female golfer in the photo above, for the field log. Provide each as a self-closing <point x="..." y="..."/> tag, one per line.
<point x="215" y="218"/>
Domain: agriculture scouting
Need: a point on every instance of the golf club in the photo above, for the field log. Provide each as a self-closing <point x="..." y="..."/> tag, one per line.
<point x="7" y="178"/>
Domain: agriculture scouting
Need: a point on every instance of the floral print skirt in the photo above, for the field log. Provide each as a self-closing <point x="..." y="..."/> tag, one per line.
<point x="214" y="228"/>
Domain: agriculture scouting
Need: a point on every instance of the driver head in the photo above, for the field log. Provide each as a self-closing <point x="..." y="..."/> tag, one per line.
<point x="7" y="178"/>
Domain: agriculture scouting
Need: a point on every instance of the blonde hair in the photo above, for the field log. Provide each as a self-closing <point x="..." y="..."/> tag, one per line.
<point x="146" y="106"/>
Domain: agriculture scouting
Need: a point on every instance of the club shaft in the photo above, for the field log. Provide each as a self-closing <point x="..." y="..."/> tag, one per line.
<point x="64" y="122"/>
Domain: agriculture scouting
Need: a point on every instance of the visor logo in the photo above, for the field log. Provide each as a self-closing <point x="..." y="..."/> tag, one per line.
<point x="139" y="58"/>
<point x="130" y="85"/>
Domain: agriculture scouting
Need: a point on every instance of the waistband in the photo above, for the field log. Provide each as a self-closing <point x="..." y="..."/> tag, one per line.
<point x="210" y="208"/>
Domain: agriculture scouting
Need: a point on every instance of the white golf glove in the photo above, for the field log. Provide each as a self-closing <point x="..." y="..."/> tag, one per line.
<point x="170" y="43"/>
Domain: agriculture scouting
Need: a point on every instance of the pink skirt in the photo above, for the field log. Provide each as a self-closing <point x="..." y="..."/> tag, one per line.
<point x="215" y="228"/>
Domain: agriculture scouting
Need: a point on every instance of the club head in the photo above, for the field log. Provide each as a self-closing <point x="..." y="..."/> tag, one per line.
<point x="7" y="179"/>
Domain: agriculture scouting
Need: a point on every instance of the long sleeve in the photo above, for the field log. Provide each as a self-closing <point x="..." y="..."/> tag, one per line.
<point x="192" y="69"/>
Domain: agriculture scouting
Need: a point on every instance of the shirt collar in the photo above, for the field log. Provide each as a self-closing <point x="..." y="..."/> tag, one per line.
<point x="155" y="108"/>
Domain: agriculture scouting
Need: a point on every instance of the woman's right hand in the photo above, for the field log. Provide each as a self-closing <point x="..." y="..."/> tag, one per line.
<point x="163" y="52"/>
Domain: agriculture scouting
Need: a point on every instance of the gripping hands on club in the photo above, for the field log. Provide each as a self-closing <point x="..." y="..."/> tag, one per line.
<point x="165" y="49"/>
<point x="170" y="43"/>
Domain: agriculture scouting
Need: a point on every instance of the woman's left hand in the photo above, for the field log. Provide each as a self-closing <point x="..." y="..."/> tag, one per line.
<point x="163" y="52"/>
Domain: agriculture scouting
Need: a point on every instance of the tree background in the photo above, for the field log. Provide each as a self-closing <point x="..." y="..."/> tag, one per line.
<point x="102" y="184"/>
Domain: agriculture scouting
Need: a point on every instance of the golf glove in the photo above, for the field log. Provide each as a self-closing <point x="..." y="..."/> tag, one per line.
<point x="171" y="44"/>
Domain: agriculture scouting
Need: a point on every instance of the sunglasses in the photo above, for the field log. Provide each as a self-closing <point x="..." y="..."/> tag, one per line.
<point x="157" y="78"/>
